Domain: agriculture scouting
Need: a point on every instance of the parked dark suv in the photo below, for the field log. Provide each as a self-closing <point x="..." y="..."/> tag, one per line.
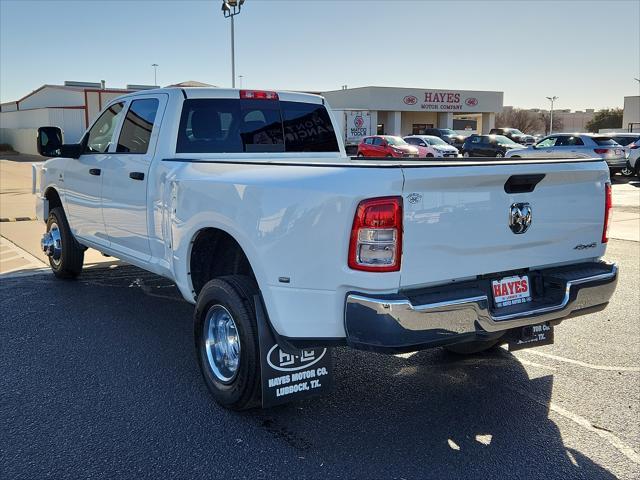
<point x="448" y="135"/>
<point x="515" y="135"/>
<point x="488" y="146"/>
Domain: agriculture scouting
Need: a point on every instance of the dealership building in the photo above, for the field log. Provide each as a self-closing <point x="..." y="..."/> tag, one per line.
<point x="406" y="111"/>
<point x="390" y="110"/>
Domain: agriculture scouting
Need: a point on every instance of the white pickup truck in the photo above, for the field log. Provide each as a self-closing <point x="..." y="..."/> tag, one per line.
<point x="240" y="195"/>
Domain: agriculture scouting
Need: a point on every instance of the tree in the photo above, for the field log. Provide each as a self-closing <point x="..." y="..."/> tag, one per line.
<point x="605" y="118"/>
<point x="545" y="119"/>
<point x="523" y="120"/>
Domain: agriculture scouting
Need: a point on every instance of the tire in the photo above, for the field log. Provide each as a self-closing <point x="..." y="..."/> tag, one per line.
<point x="471" y="348"/>
<point x="429" y="155"/>
<point x="68" y="265"/>
<point x="466" y="155"/>
<point x="516" y="156"/>
<point x="237" y="389"/>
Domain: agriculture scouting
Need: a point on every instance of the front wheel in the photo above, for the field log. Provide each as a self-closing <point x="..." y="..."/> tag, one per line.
<point x="226" y="339"/>
<point x="66" y="255"/>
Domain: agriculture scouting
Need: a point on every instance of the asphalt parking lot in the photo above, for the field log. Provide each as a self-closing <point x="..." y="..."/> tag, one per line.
<point x="99" y="379"/>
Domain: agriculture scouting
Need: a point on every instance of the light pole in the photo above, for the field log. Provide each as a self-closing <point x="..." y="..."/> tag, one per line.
<point x="551" y="99"/>
<point x="155" y="74"/>
<point x="230" y="8"/>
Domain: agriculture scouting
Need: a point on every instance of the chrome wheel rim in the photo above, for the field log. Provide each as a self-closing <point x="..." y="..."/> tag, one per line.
<point x="52" y="244"/>
<point x="627" y="172"/>
<point x="499" y="155"/>
<point x="222" y="343"/>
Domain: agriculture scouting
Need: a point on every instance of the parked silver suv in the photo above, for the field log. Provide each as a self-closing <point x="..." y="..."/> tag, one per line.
<point x="576" y="145"/>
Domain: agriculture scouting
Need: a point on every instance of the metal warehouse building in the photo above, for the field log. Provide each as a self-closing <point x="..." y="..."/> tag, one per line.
<point x="405" y="111"/>
<point x="71" y="106"/>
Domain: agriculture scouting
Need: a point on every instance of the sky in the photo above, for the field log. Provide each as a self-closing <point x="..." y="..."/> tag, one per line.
<point x="585" y="52"/>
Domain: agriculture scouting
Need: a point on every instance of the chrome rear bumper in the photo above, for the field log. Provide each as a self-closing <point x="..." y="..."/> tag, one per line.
<point x="399" y="323"/>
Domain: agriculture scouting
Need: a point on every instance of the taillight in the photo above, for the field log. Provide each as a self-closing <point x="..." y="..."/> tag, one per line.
<point x="258" y="95"/>
<point x="376" y="235"/>
<point x="607" y="212"/>
<point x="601" y="150"/>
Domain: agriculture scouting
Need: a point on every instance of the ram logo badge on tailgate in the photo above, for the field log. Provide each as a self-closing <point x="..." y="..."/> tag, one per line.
<point x="520" y="216"/>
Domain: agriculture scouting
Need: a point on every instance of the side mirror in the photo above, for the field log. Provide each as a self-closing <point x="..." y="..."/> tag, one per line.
<point x="50" y="144"/>
<point x="49" y="141"/>
<point x="422" y="144"/>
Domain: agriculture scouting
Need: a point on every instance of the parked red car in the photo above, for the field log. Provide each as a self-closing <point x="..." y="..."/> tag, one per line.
<point x="386" y="146"/>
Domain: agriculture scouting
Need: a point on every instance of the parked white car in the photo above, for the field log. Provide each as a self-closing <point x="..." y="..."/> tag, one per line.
<point x="631" y="144"/>
<point x="248" y="202"/>
<point x="576" y="145"/>
<point x="430" y="146"/>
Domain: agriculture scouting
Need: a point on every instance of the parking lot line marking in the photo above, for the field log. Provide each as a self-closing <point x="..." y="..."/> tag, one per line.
<point x="613" y="440"/>
<point x="534" y="364"/>
<point x="583" y="364"/>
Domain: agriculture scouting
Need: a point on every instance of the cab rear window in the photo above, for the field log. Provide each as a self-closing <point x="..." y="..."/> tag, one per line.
<point x="254" y="126"/>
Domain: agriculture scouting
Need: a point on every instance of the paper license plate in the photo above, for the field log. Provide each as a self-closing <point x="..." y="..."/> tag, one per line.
<point x="511" y="291"/>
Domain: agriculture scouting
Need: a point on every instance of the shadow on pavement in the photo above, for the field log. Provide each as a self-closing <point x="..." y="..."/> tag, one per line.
<point x="99" y="379"/>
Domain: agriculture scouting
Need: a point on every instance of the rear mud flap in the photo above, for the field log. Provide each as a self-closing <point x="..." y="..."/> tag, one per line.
<point x="287" y="376"/>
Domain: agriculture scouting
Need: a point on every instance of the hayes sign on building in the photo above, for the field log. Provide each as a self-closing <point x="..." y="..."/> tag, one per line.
<point x="443" y="101"/>
<point x="411" y="99"/>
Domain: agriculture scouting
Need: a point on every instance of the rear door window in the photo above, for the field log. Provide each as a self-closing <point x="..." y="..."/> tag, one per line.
<point x="254" y="126"/>
<point x="135" y="133"/>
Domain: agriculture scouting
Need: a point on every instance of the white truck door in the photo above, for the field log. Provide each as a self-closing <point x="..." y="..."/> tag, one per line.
<point x="125" y="178"/>
<point x="83" y="178"/>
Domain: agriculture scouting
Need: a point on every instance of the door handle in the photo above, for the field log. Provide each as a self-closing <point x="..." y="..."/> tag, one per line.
<point x="136" y="176"/>
<point x="94" y="171"/>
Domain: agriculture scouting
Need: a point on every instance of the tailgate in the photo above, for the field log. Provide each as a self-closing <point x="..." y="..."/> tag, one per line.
<point x="456" y="219"/>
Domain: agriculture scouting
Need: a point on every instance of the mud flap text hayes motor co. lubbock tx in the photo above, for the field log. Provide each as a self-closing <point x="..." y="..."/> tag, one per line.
<point x="242" y="194"/>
